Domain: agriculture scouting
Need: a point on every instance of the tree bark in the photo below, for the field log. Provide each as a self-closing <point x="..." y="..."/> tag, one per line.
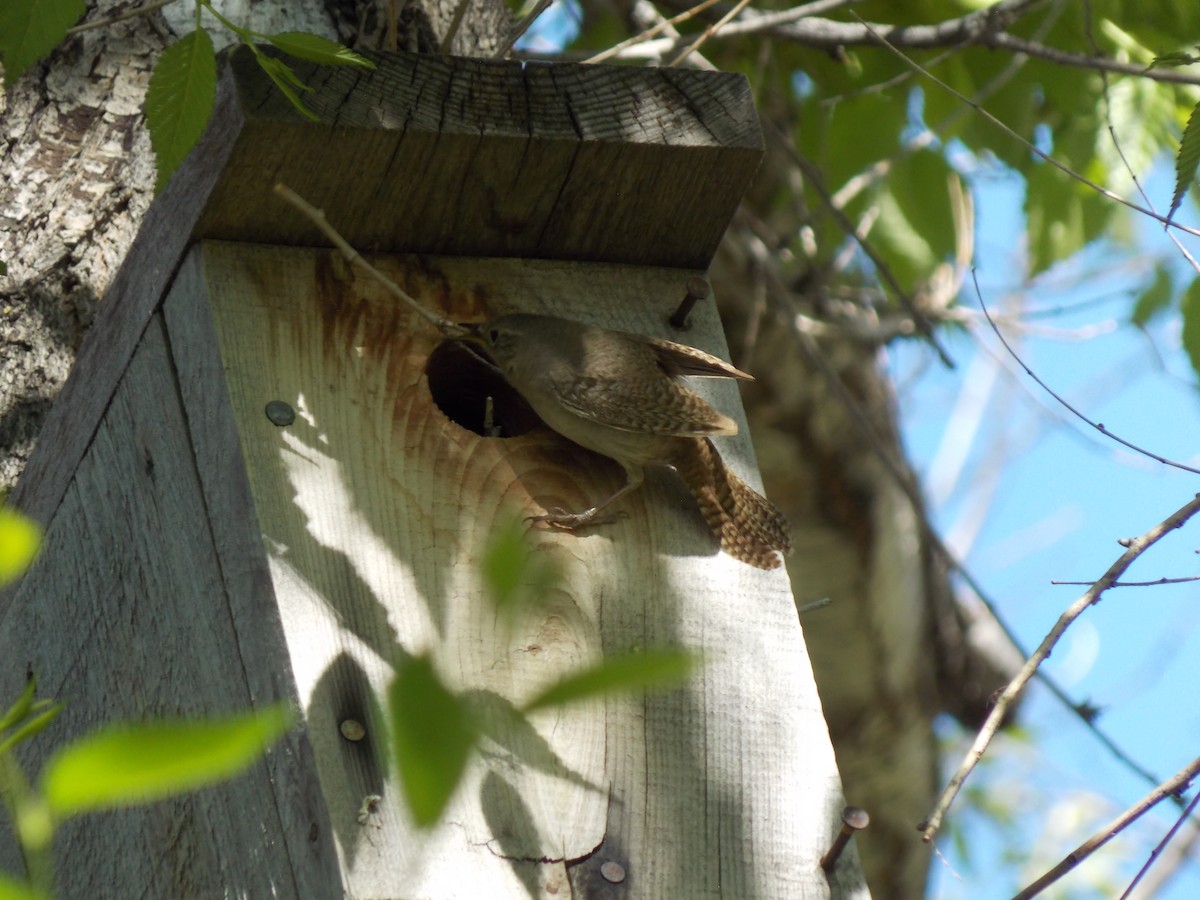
<point x="78" y="175"/>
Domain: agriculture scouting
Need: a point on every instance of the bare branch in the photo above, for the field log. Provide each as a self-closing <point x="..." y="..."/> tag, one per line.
<point x="1169" y="788"/>
<point x="1135" y="548"/>
<point x="452" y="29"/>
<point x="317" y="217"/>
<point x="1117" y="584"/>
<point x="830" y="34"/>
<point x="1099" y="426"/>
<point x="760" y="22"/>
<point x="121" y="16"/>
<point x="707" y="33"/>
<point x="653" y="31"/>
<point x="521" y="27"/>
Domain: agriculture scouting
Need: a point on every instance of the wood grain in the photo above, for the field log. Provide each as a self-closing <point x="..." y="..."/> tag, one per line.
<point x="125" y="617"/>
<point x="375" y="508"/>
<point x="495" y="158"/>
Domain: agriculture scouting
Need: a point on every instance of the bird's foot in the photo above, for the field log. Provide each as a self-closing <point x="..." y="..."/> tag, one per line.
<point x="568" y="521"/>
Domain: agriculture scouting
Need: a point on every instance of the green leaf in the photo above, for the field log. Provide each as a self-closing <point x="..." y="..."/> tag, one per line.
<point x="125" y="765"/>
<point x="915" y="230"/>
<point x="30" y="29"/>
<point x="432" y="738"/>
<point x="20" y="539"/>
<point x="516" y="574"/>
<point x="1054" y="214"/>
<point x="1173" y="60"/>
<point x="318" y="49"/>
<point x="287" y="82"/>
<point x="36" y="725"/>
<point x="20" y="709"/>
<point x="1191" y="323"/>
<point x="16" y="890"/>
<point x="1186" y="159"/>
<point x="1153" y="299"/>
<point x="647" y="669"/>
<point x="179" y="101"/>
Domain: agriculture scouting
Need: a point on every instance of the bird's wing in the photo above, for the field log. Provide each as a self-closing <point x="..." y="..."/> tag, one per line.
<point x="680" y="359"/>
<point x="657" y="406"/>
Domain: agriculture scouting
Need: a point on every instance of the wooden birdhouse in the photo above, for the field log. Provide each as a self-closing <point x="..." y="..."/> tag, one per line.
<point x="267" y="479"/>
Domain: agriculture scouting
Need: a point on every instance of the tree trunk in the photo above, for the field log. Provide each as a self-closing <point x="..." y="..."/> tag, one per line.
<point x="78" y="176"/>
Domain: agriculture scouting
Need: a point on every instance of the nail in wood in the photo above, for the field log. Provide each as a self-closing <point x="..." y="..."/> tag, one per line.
<point x="853" y="819"/>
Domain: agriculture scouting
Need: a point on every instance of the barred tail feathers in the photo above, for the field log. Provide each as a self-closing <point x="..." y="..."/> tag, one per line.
<point x="748" y="525"/>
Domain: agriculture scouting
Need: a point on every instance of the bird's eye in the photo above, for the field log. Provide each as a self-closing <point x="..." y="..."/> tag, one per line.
<point x="493" y="335"/>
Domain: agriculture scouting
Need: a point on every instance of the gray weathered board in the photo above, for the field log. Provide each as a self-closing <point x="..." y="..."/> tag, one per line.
<point x="200" y="559"/>
<point x="375" y="508"/>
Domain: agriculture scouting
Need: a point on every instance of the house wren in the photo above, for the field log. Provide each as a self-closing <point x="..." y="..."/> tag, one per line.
<point x="619" y="395"/>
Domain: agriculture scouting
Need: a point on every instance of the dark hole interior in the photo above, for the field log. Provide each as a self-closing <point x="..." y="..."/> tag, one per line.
<point x="461" y="383"/>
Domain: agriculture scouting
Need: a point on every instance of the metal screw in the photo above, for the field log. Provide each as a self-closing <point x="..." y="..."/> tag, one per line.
<point x="853" y="819"/>
<point x="352" y="730"/>
<point x="697" y="289"/>
<point x="280" y="413"/>
<point x="613" y="872"/>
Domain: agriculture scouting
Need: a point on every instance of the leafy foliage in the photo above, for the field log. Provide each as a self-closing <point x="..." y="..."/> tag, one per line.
<point x="124" y="765"/>
<point x="1191" y="323"/>
<point x="27" y="717"/>
<point x="432" y="738"/>
<point x="20" y="539"/>
<point x="315" y="48"/>
<point x="662" y="668"/>
<point x="1187" y="158"/>
<point x="30" y="29"/>
<point x="1154" y="299"/>
<point x="179" y="102"/>
<point x="515" y="575"/>
<point x="436" y="729"/>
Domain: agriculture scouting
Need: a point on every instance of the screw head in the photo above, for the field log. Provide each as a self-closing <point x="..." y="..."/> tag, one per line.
<point x="280" y="413"/>
<point x="612" y="872"/>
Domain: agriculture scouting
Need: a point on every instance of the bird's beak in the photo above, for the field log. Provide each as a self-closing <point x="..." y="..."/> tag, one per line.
<point x="473" y="332"/>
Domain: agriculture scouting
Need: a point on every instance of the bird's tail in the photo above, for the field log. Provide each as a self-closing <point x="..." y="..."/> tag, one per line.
<point x="748" y="525"/>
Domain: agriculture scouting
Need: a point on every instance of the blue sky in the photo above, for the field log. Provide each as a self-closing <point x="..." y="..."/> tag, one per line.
<point x="1057" y="496"/>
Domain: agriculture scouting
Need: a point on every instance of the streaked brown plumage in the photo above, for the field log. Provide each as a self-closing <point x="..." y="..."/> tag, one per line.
<point x="619" y="394"/>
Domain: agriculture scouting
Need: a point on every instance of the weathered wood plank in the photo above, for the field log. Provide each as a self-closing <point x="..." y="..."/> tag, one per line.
<point x="245" y="575"/>
<point x="375" y="507"/>
<point x="124" y="616"/>
<point x="489" y="158"/>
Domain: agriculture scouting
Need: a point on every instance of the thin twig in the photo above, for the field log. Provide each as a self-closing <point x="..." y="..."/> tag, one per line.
<point x="1117" y="584"/>
<point x="767" y="21"/>
<point x="452" y="29"/>
<point x="521" y="27"/>
<point x="317" y="217"/>
<point x="1169" y="788"/>
<point x="707" y="33"/>
<point x="1135" y="548"/>
<point x="119" y="17"/>
<point x="650" y="32"/>
<point x="1099" y="426"/>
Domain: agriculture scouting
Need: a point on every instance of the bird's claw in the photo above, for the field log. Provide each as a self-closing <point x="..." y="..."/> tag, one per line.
<point x="569" y="521"/>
